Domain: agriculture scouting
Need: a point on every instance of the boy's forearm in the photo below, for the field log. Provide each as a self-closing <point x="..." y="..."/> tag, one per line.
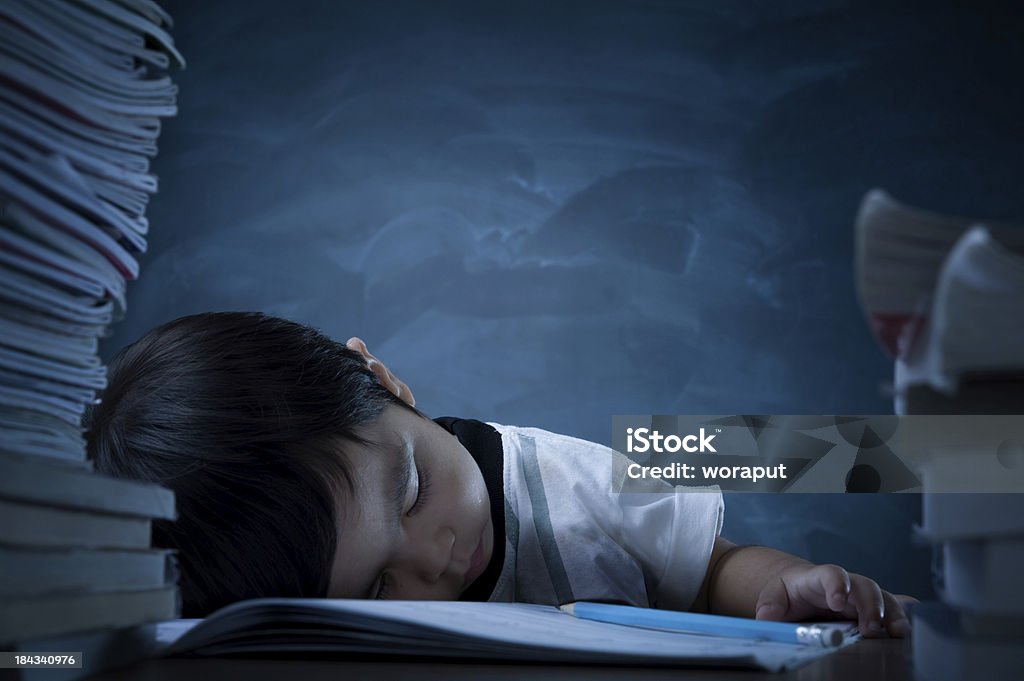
<point x="737" y="575"/>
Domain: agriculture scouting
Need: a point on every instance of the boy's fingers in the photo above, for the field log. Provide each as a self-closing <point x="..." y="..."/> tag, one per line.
<point x="896" y="621"/>
<point x="870" y="606"/>
<point x="835" y="583"/>
<point x="356" y="343"/>
<point x="408" y="396"/>
<point x="404" y="392"/>
<point x="773" y="602"/>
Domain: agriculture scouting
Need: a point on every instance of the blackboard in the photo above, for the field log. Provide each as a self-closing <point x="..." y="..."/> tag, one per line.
<point x="546" y="213"/>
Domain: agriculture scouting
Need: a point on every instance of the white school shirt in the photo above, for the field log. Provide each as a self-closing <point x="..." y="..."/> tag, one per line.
<point x="569" y="537"/>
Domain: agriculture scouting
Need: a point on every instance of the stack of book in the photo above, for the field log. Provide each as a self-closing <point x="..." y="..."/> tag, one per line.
<point x="83" y="87"/>
<point x="977" y="629"/>
<point x="78" y="571"/>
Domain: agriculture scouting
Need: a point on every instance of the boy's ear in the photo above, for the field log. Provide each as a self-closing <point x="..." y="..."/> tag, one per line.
<point x="383" y="374"/>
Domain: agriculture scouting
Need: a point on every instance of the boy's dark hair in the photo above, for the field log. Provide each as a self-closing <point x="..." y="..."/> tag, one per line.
<point x="243" y="415"/>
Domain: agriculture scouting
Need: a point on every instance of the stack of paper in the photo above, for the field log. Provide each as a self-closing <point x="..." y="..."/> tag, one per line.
<point x="82" y="91"/>
<point x="944" y="296"/>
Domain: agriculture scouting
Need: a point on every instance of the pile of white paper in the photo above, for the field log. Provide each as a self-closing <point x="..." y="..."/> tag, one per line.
<point x="82" y="90"/>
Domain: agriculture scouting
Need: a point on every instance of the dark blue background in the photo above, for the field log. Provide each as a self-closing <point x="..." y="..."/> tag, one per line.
<point x="547" y="213"/>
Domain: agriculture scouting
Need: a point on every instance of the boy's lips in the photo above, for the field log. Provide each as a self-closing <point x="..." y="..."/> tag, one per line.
<point x="476" y="564"/>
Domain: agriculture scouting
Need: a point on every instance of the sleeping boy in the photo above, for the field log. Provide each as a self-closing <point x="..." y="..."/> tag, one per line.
<point x="302" y="468"/>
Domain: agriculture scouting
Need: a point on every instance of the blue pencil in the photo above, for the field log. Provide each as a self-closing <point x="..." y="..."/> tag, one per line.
<point x="714" y="625"/>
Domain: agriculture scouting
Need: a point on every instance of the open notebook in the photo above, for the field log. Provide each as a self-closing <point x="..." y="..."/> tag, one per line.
<point x="452" y="629"/>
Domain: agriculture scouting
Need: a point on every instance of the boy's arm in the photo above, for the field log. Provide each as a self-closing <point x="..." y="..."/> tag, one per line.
<point x="756" y="581"/>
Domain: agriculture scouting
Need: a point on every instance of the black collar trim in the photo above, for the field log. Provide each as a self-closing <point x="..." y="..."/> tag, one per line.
<point x="484" y="444"/>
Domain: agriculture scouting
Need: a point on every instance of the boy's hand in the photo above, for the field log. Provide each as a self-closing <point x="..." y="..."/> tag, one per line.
<point x="383" y="374"/>
<point x="806" y="591"/>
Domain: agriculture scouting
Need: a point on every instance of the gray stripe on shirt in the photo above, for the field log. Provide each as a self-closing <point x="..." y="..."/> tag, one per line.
<point x="542" y="522"/>
<point x="511" y="524"/>
<point x="512" y="542"/>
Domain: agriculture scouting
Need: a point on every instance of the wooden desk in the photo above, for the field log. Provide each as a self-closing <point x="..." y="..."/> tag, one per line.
<point x="877" y="660"/>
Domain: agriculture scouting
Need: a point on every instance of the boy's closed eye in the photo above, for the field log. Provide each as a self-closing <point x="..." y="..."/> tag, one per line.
<point x="422" y="494"/>
<point x="422" y="490"/>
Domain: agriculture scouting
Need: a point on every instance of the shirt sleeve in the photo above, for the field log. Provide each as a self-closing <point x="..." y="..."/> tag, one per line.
<point x="671" y="531"/>
<point x="698" y="522"/>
